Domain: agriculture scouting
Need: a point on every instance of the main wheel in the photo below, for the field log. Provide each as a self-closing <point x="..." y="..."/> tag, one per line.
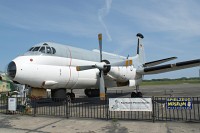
<point x="70" y="96"/>
<point x="133" y="94"/>
<point x="58" y="93"/>
<point x="139" y="94"/>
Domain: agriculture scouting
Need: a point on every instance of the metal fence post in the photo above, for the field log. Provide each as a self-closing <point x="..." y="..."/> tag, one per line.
<point x="153" y="109"/>
<point x="34" y="103"/>
<point x="67" y="111"/>
<point x="107" y="108"/>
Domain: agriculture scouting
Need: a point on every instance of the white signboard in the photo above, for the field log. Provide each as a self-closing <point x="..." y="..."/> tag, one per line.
<point x="130" y="104"/>
<point x="12" y="104"/>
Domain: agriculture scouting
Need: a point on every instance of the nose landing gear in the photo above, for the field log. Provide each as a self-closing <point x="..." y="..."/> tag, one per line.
<point x="137" y="93"/>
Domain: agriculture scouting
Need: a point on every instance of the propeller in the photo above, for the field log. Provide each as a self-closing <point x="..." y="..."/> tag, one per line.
<point x="104" y="67"/>
<point x="101" y="73"/>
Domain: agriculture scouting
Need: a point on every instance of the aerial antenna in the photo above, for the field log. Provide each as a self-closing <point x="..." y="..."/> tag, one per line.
<point x="139" y="36"/>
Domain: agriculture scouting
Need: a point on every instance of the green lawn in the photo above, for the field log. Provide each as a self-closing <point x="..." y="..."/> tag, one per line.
<point x="150" y="82"/>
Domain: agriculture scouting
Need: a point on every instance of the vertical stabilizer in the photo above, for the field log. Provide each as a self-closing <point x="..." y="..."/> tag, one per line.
<point x="140" y="49"/>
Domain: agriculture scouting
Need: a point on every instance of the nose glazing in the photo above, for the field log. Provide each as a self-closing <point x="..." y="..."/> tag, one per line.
<point x="11" y="70"/>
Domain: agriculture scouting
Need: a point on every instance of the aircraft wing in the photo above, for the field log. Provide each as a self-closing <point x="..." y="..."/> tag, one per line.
<point x="169" y="67"/>
<point x="153" y="63"/>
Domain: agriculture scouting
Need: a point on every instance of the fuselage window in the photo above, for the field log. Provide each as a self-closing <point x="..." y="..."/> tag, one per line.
<point x="53" y="50"/>
<point x="31" y="49"/>
<point x="42" y="49"/>
<point x="36" y="48"/>
<point x="48" y="50"/>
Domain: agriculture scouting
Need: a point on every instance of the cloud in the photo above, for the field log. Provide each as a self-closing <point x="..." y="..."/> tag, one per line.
<point x="170" y="27"/>
<point x="177" y="17"/>
<point x="102" y="13"/>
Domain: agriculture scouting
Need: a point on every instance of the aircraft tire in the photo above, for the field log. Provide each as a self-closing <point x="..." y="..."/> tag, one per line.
<point x="139" y="94"/>
<point x="72" y="96"/>
<point x="58" y="93"/>
<point x="86" y="91"/>
<point x="92" y="92"/>
<point x="133" y="95"/>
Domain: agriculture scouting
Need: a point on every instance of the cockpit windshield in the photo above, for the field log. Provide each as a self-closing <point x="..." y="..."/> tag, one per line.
<point x="36" y="49"/>
<point x="53" y="50"/>
<point x="31" y="49"/>
<point x="43" y="49"/>
<point x="48" y="50"/>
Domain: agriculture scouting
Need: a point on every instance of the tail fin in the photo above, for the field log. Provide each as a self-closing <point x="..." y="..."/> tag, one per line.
<point x="140" y="49"/>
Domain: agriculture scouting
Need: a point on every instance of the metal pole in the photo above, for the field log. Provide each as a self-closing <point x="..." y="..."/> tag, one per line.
<point x="107" y="108"/>
<point x="34" y="113"/>
<point x="153" y="110"/>
<point x="67" y="112"/>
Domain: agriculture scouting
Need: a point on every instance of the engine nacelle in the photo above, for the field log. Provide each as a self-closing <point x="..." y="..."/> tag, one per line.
<point x="124" y="74"/>
<point x="129" y="83"/>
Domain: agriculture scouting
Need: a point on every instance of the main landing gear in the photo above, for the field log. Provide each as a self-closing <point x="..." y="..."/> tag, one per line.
<point x="92" y="92"/>
<point x="137" y="93"/>
<point x="61" y="94"/>
<point x="70" y="96"/>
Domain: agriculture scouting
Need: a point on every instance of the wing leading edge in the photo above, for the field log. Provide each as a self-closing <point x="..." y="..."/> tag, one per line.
<point x="169" y="67"/>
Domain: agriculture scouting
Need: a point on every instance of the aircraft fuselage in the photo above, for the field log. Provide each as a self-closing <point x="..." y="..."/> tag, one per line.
<point x="58" y="70"/>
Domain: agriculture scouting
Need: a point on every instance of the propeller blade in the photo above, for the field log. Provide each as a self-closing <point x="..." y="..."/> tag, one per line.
<point x="81" y="68"/>
<point x="101" y="65"/>
<point x="100" y="45"/>
<point x="122" y="63"/>
<point x="102" y="86"/>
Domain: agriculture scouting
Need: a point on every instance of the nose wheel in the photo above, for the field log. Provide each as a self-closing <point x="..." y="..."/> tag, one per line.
<point x="137" y="93"/>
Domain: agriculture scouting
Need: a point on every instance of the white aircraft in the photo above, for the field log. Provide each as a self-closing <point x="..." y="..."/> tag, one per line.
<point x="60" y="67"/>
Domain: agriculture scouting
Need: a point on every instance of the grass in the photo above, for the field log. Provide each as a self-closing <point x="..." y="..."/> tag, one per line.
<point x="150" y="82"/>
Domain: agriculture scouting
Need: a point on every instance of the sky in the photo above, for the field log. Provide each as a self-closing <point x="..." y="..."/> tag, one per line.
<point x="170" y="28"/>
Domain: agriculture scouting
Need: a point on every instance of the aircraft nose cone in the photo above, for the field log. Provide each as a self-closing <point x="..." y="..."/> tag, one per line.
<point x="11" y="70"/>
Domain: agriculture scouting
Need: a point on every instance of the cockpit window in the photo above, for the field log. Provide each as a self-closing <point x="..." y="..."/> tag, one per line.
<point x="36" y="49"/>
<point x="31" y="49"/>
<point x="42" y="49"/>
<point x="53" y="50"/>
<point x="48" y="50"/>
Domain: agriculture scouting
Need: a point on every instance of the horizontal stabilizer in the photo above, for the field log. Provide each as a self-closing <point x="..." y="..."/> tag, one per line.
<point x="169" y="67"/>
<point x="153" y="63"/>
